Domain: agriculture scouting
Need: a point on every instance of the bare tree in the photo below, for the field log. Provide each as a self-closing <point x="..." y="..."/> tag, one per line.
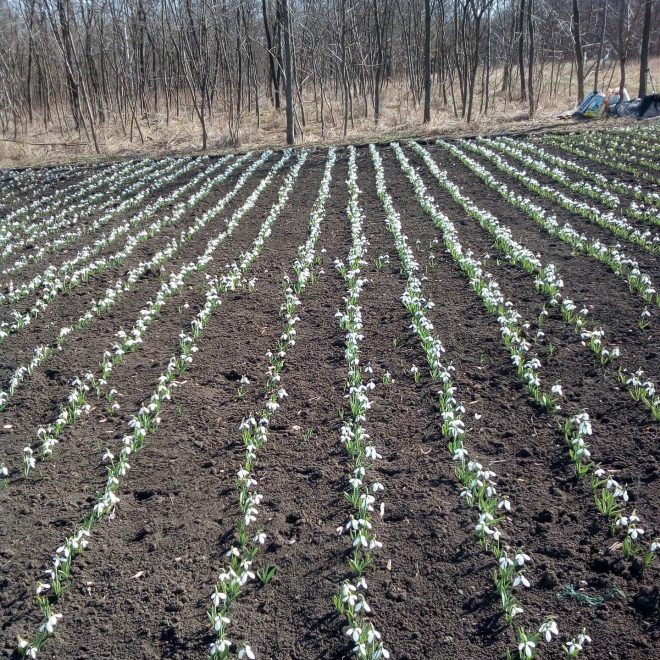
<point x="274" y="78"/>
<point x="521" y="49"/>
<point x="623" y="46"/>
<point x="577" y="44"/>
<point x="530" y="63"/>
<point x="288" y="72"/>
<point x="427" y="61"/>
<point x="644" y="53"/>
<point x="601" y="44"/>
<point x="68" y="66"/>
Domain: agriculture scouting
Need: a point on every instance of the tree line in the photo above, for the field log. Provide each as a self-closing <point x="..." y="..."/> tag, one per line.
<point x="80" y="64"/>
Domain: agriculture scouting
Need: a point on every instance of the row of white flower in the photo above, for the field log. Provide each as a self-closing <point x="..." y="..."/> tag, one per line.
<point x="351" y="601"/>
<point x="479" y="488"/>
<point x="43" y="205"/>
<point x="578" y="449"/>
<point x="611" y="256"/>
<point x="143" y="423"/>
<point x="645" y="130"/>
<point x="76" y="400"/>
<point x="603" y="185"/>
<point x="52" y="274"/>
<point x="129" y="198"/>
<point x="241" y="555"/>
<point x="610" y="496"/>
<point x="607" y="220"/>
<point x="622" y="147"/>
<point x="608" y="183"/>
<point x="22" y="184"/>
<point x="12" y="182"/>
<point x="43" y="223"/>
<point x="124" y="284"/>
<point x="642" y="389"/>
<point x="547" y="279"/>
<point x="512" y="326"/>
<point x="595" y="155"/>
<point x="645" y="143"/>
<point x="104" y="241"/>
<point x="538" y="164"/>
<point x="52" y="285"/>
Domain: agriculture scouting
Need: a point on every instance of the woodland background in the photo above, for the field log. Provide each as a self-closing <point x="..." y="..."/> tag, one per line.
<point x="88" y="77"/>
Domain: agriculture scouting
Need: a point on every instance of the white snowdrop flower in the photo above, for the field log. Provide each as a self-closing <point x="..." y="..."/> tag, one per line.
<point x="527" y="648"/>
<point x="48" y="626"/>
<point x="521" y="579"/>
<point x="460" y="454"/>
<point x="370" y="452"/>
<point x="27" y="650"/>
<point x="548" y="629"/>
<point x="220" y="646"/>
<point x="635" y="532"/>
<point x="218" y="598"/>
<point x="522" y="558"/>
<point x="247" y="652"/>
<point x="41" y="587"/>
<point x="583" y="638"/>
<point x="220" y="621"/>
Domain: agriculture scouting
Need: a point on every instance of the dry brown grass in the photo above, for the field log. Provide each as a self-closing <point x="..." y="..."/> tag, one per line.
<point x="399" y="120"/>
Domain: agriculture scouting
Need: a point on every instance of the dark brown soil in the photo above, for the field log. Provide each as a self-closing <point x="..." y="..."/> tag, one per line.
<point x="143" y="587"/>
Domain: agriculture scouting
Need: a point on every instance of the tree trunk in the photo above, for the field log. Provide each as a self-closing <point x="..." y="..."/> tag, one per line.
<point x="427" y="61"/>
<point x="275" y="87"/>
<point x="600" y="46"/>
<point x="644" y="54"/>
<point x="530" y="63"/>
<point x="577" y="43"/>
<point x="288" y="73"/>
<point x="486" y="90"/>
<point x="623" y="55"/>
<point x="28" y="82"/>
<point x="72" y="85"/>
<point x="344" y="72"/>
<point x="379" y="63"/>
<point x="521" y="49"/>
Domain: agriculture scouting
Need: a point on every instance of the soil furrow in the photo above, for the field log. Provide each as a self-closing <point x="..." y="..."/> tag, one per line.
<point x="586" y="280"/>
<point x="79" y="462"/>
<point x="143" y="587"/>
<point x="566" y="360"/>
<point x="553" y="517"/>
<point x="71" y="305"/>
<point x="647" y="261"/>
<point x="61" y="254"/>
